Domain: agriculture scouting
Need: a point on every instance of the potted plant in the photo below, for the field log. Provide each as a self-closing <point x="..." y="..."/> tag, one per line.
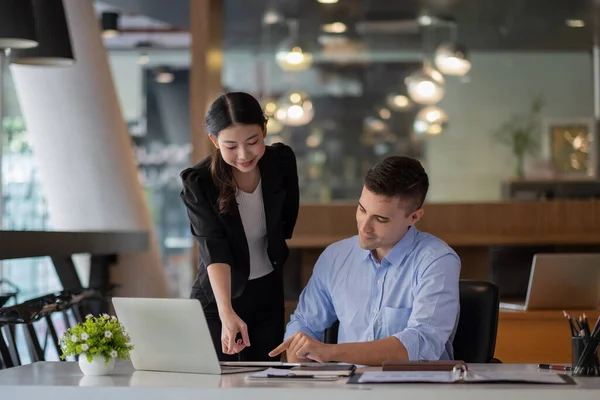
<point x="98" y="342"/>
<point x="522" y="134"/>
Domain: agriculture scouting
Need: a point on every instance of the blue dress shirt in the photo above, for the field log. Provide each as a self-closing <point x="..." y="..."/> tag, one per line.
<point x="412" y="295"/>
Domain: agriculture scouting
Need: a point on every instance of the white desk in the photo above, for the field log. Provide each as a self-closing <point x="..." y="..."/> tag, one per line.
<point x="64" y="381"/>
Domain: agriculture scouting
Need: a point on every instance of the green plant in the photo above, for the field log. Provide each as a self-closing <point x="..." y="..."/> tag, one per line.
<point x="97" y="336"/>
<point x="522" y="133"/>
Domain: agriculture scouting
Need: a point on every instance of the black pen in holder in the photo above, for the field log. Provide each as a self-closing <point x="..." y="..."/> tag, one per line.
<point x="585" y="356"/>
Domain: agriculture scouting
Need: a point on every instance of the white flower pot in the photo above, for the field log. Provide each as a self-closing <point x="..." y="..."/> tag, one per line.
<point x="97" y="367"/>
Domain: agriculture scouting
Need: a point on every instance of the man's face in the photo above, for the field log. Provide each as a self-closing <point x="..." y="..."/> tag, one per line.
<point x="382" y="221"/>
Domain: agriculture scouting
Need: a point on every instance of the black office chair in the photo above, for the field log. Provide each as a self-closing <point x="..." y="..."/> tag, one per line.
<point x="475" y="339"/>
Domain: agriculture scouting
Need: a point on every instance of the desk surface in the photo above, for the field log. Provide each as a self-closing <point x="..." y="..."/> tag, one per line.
<point x="64" y="380"/>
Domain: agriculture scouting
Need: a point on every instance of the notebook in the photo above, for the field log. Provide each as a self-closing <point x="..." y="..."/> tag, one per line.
<point x="461" y="376"/>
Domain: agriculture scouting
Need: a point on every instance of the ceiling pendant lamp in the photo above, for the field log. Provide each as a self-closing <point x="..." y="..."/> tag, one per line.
<point x="17" y="25"/>
<point x="426" y="86"/>
<point x="398" y="102"/>
<point x="53" y="33"/>
<point x="295" y="109"/>
<point x="451" y="59"/>
<point x="430" y="120"/>
<point x="109" y="22"/>
<point x="292" y="55"/>
<point x="273" y="125"/>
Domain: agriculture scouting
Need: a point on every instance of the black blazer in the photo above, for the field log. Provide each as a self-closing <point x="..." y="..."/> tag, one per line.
<point x="221" y="237"/>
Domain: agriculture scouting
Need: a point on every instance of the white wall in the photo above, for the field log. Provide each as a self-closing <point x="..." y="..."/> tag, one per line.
<point x="465" y="163"/>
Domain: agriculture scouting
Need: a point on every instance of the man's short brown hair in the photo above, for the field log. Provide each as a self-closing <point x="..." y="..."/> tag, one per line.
<point x="401" y="177"/>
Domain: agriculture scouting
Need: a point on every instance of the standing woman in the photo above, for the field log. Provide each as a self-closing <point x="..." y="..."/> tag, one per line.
<point x="242" y="203"/>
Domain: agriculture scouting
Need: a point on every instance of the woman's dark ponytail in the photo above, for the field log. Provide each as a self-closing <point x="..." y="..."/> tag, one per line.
<point x="222" y="175"/>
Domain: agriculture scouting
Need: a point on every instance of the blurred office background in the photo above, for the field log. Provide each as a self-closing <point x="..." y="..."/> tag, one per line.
<point x="498" y="99"/>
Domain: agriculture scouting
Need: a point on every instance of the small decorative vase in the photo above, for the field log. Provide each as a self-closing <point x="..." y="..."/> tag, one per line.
<point x="97" y="367"/>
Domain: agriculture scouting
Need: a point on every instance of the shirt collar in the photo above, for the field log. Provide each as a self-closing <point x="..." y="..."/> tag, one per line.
<point x="400" y="249"/>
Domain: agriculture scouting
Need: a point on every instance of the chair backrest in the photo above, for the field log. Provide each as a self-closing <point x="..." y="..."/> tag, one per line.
<point x="475" y="338"/>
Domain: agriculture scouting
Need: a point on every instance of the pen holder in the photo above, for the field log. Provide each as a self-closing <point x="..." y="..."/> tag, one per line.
<point x="585" y="356"/>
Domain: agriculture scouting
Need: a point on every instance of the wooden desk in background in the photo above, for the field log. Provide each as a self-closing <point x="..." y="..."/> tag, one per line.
<point x="536" y="336"/>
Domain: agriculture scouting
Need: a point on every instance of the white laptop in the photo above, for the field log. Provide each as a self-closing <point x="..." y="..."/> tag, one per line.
<point x="562" y="281"/>
<point x="171" y="335"/>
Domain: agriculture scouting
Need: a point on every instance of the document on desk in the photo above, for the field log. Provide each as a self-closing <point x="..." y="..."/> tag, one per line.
<point x="449" y="377"/>
<point x="285" y="374"/>
<point x="406" y="377"/>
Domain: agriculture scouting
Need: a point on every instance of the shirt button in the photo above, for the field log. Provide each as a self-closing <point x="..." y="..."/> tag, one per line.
<point x="370" y="338"/>
<point x="374" y="310"/>
<point x="380" y="281"/>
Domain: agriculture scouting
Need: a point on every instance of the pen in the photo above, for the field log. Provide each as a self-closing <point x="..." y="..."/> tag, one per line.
<point x="554" y="367"/>
<point x="568" y="317"/>
<point x="586" y="326"/>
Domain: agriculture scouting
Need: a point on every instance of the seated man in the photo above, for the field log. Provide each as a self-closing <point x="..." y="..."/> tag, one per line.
<point x="393" y="288"/>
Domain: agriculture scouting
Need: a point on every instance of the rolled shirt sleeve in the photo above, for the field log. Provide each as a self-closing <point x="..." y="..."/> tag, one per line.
<point x="435" y="310"/>
<point x="315" y="311"/>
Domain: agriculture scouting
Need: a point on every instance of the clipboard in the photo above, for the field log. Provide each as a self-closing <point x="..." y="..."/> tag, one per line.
<point x="459" y="375"/>
<point x="424" y="365"/>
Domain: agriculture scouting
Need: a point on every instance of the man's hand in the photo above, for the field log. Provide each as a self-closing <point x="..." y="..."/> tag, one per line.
<point x="303" y="346"/>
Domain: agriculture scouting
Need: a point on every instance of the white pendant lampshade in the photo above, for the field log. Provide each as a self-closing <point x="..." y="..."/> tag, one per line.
<point x="295" y="109"/>
<point x="426" y="86"/>
<point x="451" y="59"/>
<point x="430" y="120"/>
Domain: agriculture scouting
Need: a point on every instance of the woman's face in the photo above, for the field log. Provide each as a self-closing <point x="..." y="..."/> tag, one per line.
<point x="241" y="146"/>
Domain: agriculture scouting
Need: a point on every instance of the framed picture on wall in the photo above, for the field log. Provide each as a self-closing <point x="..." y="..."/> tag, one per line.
<point x="568" y="145"/>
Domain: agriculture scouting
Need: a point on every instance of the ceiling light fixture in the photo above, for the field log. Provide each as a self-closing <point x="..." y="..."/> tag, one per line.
<point x="272" y="17"/>
<point x="273" y="125"/>
<point x="163" y="75"/>
<point x="54" y="39"/>
<point x="398" y="102"/>
<point x="327" y="1"/>
<point x="426" y="86"/>
<point x="291" y="56"/>
<point x="110" y="24"/>
<point x="143" y="59"/>
<point x="451" y="59"/>
<point x="335" y="27"/>
<point x="425" y="20"/>
<point x="575" y="23"/>
<point x="430" y="120"/>
<point x="384" y="113"/>
<point x="295" y="109"/>
<point x="17" y="25"/>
